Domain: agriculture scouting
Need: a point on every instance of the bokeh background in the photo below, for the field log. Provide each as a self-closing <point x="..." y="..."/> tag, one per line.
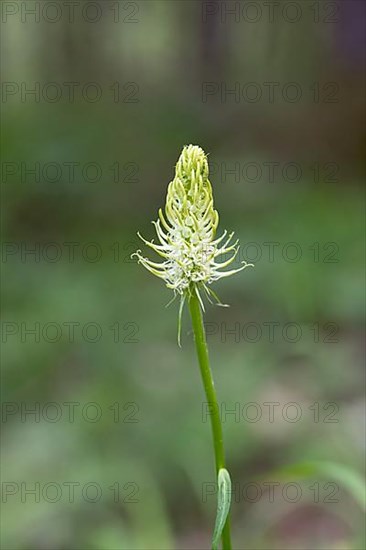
<point x="118" y="407"/>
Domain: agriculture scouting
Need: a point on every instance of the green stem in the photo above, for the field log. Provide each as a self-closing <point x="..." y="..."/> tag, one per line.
<point x="204" y="363"/>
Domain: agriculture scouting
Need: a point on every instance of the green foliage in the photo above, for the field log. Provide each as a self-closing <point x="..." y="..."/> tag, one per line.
<point x="223" y="505"/>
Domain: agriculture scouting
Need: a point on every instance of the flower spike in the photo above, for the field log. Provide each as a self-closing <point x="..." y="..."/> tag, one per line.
<point x="186" y="233"/>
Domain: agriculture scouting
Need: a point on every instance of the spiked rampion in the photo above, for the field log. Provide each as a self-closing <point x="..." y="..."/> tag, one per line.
<point x="186" y="233"/>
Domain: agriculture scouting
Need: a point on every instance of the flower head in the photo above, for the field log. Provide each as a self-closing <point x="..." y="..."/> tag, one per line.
<point x="186" y="232"/>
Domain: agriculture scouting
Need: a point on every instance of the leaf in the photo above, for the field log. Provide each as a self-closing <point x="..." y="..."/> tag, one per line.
<point x="345" y="475"/>
<point x="180" y="313"/>
<point x="349" y="478"/>
<point x="223" y="505"/>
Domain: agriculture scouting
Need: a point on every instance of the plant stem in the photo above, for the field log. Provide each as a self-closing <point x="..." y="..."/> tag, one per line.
<point x="208" y="383"/>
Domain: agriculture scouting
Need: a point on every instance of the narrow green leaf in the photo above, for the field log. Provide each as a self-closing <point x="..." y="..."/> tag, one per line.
<point x="223" y="505"/>
<point x="180" y="313"/>
<point x="348" y="477"/>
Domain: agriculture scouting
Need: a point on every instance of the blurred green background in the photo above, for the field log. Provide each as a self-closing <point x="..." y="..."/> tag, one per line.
<point x="118" y="406"/>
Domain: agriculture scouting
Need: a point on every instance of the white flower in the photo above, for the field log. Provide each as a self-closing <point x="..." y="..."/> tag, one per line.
<point x="186" y="233"/>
